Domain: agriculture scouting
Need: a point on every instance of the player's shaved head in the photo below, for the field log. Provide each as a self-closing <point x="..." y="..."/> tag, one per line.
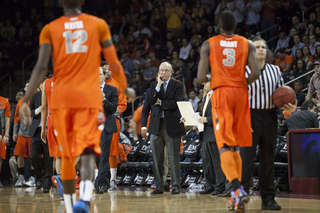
<point x="71" y="3"/>
<point x="227" y="20"/>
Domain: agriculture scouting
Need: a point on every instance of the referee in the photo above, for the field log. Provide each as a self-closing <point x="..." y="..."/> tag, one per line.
<point x="264" y="128"/>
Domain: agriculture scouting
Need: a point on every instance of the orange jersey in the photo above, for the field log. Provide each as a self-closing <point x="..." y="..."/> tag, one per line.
<point x="228" y="58"/>
<point x="76" y="59"/>
<point x="137" y="118"/>
<point x="122" y="99"/>
<point x="48" y="88"/>
<point x="4" y="111"/>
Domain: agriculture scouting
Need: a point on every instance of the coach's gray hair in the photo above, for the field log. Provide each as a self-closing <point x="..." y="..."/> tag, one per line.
<point x="167" y="64"/>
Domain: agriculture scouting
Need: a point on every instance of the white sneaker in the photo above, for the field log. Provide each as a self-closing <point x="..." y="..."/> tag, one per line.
<point x="20" y="181"/>
<point x="31" y="182"/>
<point x="113" y="186"/>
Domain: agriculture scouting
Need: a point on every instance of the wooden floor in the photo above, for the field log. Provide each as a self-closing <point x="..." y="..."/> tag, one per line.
<point x="139" y="200"/>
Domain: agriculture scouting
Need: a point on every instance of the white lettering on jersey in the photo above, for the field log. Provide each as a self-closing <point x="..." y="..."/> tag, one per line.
<point x="228" y="43"/>
<point x="73" y="25"/>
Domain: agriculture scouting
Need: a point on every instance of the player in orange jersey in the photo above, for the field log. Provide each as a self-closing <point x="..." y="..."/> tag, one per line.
<point x="228" y="55"/>
<point x="122" y="106"/>
<point x="5" y="115"/>
<point x="75" y="42"/>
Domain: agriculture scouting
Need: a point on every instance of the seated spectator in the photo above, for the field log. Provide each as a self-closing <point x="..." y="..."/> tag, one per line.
<point x="193" y="99"/>
<point x="182" y="73"/>
<point x="143" y="43"/>
<point x="142" y="30"/>
<point x="154" y="61"/>
<point x="270" y="57"/>
<point x="253" y="20"/>
<point x="136" y="68"/>
<point x="126" y="63"/>
<point x="283" y="41"/>
<point x="297" y="45"/>
<point x="317" y="54"/>
<point x="158" y="24"/>
<point x="293" y="32"/>
<point x="8" y="31"/>
<point x="159" y="50"/>
<point x="307" y="57"/>
<point x="284" y="61"/>
<point x="313" y="44"/>
<point x="300" y="69"/>
<point x="314" y="84"/>
<point x="169" y="50"/>
<point x="298" y="56"/>
<point x="306" y="118"/>
<point x="174" y="59"/>
<point x="185" y="49"/>
<point x="197" y="10"/>
<point x="295" y="20"/>
<point x="139" y="84"/>
<point x="124" y="27"/>
<point x="298" y="89"/>
<point x="140" y="58"/>
<point x="311" y="29"/>
<point x="200" y="94"/>
<point x="149" y="72"/>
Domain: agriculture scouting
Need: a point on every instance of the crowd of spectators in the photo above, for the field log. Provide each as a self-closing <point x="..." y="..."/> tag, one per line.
<point x="148" y="32"/>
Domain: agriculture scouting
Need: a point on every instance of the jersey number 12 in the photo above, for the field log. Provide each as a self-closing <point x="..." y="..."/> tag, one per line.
<point x="75" y="47"/>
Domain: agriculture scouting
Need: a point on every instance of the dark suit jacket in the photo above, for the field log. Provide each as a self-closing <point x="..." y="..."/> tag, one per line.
<point x="208" y="131"/>
<point x="172" y="115"/>
<point x="110" y="106"/>
<point x="146" y="109"/>
<point x="35" y="102"/>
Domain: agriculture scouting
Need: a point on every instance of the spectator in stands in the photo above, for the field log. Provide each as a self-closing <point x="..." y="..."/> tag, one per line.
<point x="253" y="19"/>
<point x="311" y="29"/>
<point x="185" y="49"/>
<point x="307" y="57"/>
<point x="154" y="61"/>
<point x="169" y="49"/>
<point x="209" y="16"/>
<point x="307" y="118"/>
<point x="210" y="32"/>
<point x="140" y="58"/>
<point x="299" y="55"/>
<point x="313" y="18"/>
<point x="140" y="85"/>
<point x="149" y="72"/>
<point x="159" y="50"/>
<point x="181" y="73"/>
<point x="318" y="33"/>
<point x="175" y="59"/>
<point x="317" y="53"/>
<point x="314" y="86"/>
<point x="124" y="27"/>
<point x="296" y="23"/>
<point x="283" y="41"/>
<point x="17" y="22"/>
<point x="146" y="14"/>
<point x="293" y="32"/>
<point x="299" y="94"/>
<point x="197" y="10"/>
<point x="193" y="99"/>
<point x="158" y="24"/>
<point x="126" y="62"/>
<point x="313" y="44"/>
<point x="136" y="68"/>
<point x="300" y="69"/>
<point x="192" y="62"/>
<point x="268" y="20"/>
<point x="297" y="45"/>
<point x="142" y="30"/>
<point x="237" y="7"/>
<point x="174" y="14"/>
<point x="8" y="31"/>
<point x="284" y="61"/>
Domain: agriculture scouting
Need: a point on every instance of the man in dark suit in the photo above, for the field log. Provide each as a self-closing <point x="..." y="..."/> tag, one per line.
<point x="37" y="147"/>
<point x="213" y="174"/>
<point x="110" y="103"/>
<point x="165" y="126"/>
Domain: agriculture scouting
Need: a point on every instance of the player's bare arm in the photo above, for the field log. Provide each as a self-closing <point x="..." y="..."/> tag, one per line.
<point x="44" y="114"/>
<point x="116" y="67"/>
<point x="253" y="64"/>
<point x="203" y="63"/>
<point x="38" y="74"/>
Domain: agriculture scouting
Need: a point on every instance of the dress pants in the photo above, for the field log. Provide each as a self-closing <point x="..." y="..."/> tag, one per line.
<point x="103" y="164"/>
<point x="264" y="126"/>
<point x="213" y="174"/>
<point x="37" y="148"/>
<point x="158" y="143"/>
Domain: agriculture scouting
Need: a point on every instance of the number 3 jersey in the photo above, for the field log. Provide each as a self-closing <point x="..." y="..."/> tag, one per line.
<point x="228" y="58"/>
<point x="76" y="52"/>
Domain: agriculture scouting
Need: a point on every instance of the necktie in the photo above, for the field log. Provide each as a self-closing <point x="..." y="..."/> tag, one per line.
<point x="165" y="86"/>
<point x="206" y="103"/>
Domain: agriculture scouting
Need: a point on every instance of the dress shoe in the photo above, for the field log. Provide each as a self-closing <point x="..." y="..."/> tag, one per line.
<point x="216" y="192"/>
<point x="226" y="193"/>
<point x="206" y="191"/>
<point x="157" y="191"/>
<point x="271" y="205"/>
<point x="46" y="190"/>
<point x="175" y="191"/>
<point x="101" y="189"/>
<point x="47" y="183"/>
<point x="39" y="184"/>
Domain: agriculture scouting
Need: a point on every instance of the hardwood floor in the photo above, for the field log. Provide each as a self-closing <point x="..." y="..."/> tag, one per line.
<point x="139" y="199"/>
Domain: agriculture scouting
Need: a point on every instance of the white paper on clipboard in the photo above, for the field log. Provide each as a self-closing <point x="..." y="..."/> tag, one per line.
<point x="186" y="111"/>
<point x="199" y="125"/>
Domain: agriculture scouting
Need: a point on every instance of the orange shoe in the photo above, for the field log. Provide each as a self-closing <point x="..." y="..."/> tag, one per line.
<point x="78" y="182"/>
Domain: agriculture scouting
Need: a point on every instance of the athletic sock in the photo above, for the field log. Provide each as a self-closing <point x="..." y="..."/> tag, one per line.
<point x="113" y="172"/>
<point x="68" y="201"/>
<point x="235" y="184"/>
<point x="86" y="189"/>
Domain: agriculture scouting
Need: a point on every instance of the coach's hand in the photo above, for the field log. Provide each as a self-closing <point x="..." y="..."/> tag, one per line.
<point x="290" y="107"/>
<point x="25" y="113"/>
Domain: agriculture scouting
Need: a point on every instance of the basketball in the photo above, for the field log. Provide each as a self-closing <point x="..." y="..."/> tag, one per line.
<point x="283" y="95"/>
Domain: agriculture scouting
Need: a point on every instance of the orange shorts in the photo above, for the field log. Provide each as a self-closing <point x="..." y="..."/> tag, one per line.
<point x="231" y="116"/>
<point x="114" y="151"/>
<point x="23" y="146"/>
<point x="78" y="129"/>
<point x="3" y="149"/>
<point x="52" y="140"/>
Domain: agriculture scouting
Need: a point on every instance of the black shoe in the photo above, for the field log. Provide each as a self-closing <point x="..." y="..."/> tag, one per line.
<point x="206" y="191"/>
<point x="271" y="205"/>
<point x="226" y="193"/>
<point x="175" y="191"/>
<point x="101" y="189"/>
<point x="216" y="192"/>
<point x="46" y="190"/>
<point x="39" y="184"/>
<point x="157" y="191"/>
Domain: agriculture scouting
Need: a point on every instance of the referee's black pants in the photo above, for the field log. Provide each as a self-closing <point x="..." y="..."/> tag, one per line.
<point x="264" y="126"/>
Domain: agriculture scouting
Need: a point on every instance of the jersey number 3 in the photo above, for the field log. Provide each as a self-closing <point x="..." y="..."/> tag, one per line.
<point x="75" y="47"/>
<point x="231" y="60"/>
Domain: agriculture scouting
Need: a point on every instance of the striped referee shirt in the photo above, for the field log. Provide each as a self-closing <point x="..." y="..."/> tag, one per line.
<point x="260" y="91"/>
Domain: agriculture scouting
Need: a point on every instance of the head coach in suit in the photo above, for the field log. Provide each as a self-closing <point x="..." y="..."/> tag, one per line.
<point x="165" y="126"/>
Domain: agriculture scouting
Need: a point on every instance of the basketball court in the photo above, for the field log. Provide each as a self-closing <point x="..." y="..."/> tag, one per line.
<point x="139" y="199"/>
